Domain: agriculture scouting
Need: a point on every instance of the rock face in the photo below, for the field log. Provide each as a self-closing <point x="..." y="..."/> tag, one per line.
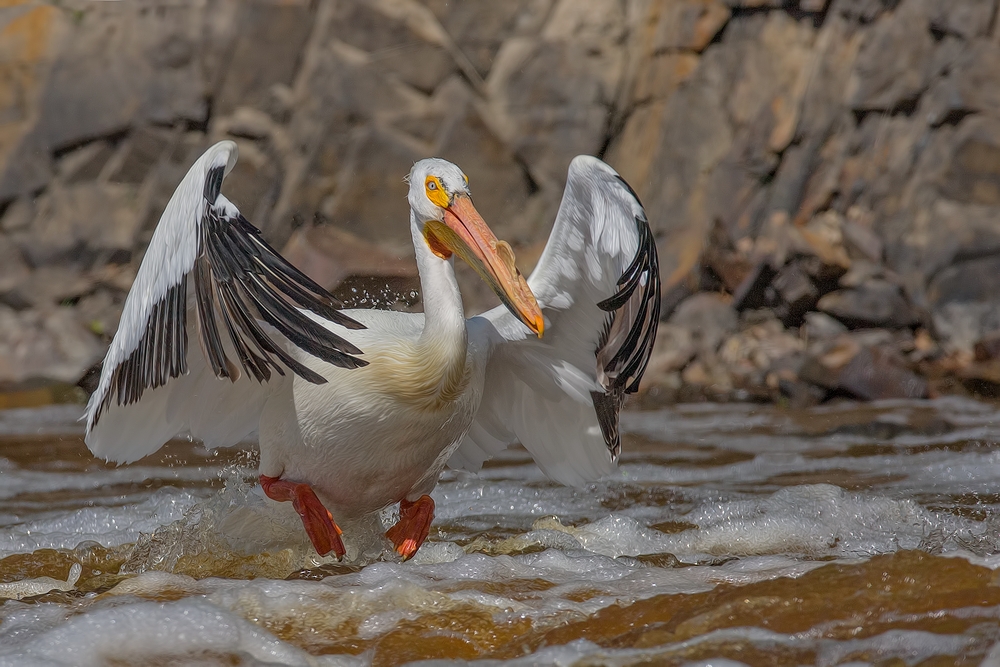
<point x="813" y="170"/>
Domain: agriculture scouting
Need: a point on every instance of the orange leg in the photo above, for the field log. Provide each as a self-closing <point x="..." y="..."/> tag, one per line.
<point x="317" y="520"/>
<point x="413" y="525"/>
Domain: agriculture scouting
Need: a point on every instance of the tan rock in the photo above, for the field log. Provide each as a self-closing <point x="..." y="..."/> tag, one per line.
<point x="45" y="344"/>
<point x="689" y="24"/>
<point x="328" y="255"/>
<point x="893" y="66"/>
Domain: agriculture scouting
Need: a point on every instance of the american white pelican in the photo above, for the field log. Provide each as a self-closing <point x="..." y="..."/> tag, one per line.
<point x="378" y="402"/>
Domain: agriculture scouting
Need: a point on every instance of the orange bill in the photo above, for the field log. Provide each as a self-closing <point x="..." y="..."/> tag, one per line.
<point x="465" y="233"/>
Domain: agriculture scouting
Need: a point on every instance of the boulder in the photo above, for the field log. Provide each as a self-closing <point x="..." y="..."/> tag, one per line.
<point x="708" y="317"/>
<point x="45" y="344"/>
<point x="118" y="65"/>
<point x="875" y="303"/>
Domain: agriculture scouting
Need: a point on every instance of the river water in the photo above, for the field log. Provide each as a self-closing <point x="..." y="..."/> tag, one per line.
<point x="732" y="534"/>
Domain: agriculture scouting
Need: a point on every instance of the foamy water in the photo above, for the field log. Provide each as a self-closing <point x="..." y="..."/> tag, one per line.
<point x="730" y="535"/>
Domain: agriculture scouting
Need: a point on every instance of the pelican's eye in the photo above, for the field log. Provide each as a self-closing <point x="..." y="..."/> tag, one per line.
<point x="435" y="192"/>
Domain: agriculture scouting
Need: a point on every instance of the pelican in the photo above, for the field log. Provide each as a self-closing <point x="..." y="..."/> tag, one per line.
<point x="356" y="410"/>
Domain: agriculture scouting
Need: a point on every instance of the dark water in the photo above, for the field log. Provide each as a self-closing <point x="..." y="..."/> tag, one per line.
<point x="732" y="534"/>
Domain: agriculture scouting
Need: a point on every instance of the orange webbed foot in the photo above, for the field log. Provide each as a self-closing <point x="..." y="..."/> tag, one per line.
<point x="322" y="530"/>
<point x="414" y="523"/>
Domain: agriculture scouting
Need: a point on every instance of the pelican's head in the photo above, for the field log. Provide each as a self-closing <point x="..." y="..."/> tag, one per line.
<point x="442" y="205"/>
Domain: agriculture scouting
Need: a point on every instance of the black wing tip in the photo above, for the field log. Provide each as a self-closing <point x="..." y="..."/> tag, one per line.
<point x="159" y="355"/>
<point x="607" y="406"/>
<point x="213" y="183"/>
<point x="244" y="278"/>
<point x="628" y="363"/>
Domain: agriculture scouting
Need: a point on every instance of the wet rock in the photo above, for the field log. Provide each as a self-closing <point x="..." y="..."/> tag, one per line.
<point x="862" y="370"/>
<point x="876" y="303"/>
<point x="876" y="374"/>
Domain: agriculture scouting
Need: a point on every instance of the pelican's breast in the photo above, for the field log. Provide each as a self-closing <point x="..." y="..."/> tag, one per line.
<point x="426" y="373"/>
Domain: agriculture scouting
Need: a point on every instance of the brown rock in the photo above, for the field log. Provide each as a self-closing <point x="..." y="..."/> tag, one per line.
<point x="549" y="97"/>
<point x="875" y="374"/>
<point x="268" y="45"/>
<point x="87" y="219"/>
<point x="958" y="325"/>
<point x="689" y="24"/>
<point x="361" y="203"/>
<point x="549" y="102"/>
<point x="329" y="255"/>
<point x="758" y="347"/>
<point x="478" y="29"/>
<point x="673" y="349"/>
<point x="966" y="18"/>
<point x="392" y="43"/>
<point x="44" y="344"/>
<point x="15" y="269"/>
<point x="866" y="372"/>
<point x="49" y="286"/>
<point x="820" y="326"/>
<point x="972" y="280"/>
<point x="498" y="182"/>
<point x="796" y="290"/>
<point x="893" y="66"/>
<point x="120" y="64"/>
<point x="708" y="317"/>
<point x="860" y="238"/>
<point x="876" y="303"/>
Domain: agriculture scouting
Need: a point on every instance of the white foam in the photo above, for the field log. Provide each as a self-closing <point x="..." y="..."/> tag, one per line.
<point x="156" y="631"/>
<point x="756" y="519"/>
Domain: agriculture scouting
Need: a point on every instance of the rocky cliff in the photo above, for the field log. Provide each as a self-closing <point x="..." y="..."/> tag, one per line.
<point x="823" y="177"/>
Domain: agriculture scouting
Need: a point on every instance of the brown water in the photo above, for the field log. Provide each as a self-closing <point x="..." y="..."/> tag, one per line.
<point x="732" y="534"/>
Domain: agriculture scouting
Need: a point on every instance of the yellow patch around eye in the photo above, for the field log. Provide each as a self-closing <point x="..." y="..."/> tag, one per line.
<point x="435" y="191"/>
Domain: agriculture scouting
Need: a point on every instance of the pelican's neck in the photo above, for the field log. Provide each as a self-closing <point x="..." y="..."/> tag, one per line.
<point x="444" y="316"/>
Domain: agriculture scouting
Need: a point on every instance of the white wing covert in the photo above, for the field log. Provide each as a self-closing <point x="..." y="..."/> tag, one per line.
<point x="206" y="263"/>
<point x="598" y="284"/>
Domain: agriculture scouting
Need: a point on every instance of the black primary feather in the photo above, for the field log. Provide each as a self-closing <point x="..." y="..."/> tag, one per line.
<point x="241" y="279"/>
<point x="629" y="331"/>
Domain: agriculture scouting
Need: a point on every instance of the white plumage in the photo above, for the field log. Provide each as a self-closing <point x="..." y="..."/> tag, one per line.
<point x="379" y="402"/>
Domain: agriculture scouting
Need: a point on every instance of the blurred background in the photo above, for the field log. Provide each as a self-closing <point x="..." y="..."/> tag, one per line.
<point x="823" y="177"/>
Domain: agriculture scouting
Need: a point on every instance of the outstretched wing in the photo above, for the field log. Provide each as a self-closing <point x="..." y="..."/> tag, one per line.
<point x="598" y="284"/>
<point x="207" y="274"/>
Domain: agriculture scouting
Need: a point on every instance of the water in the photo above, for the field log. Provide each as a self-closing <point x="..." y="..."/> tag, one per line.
<point x="732" y="534"/>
